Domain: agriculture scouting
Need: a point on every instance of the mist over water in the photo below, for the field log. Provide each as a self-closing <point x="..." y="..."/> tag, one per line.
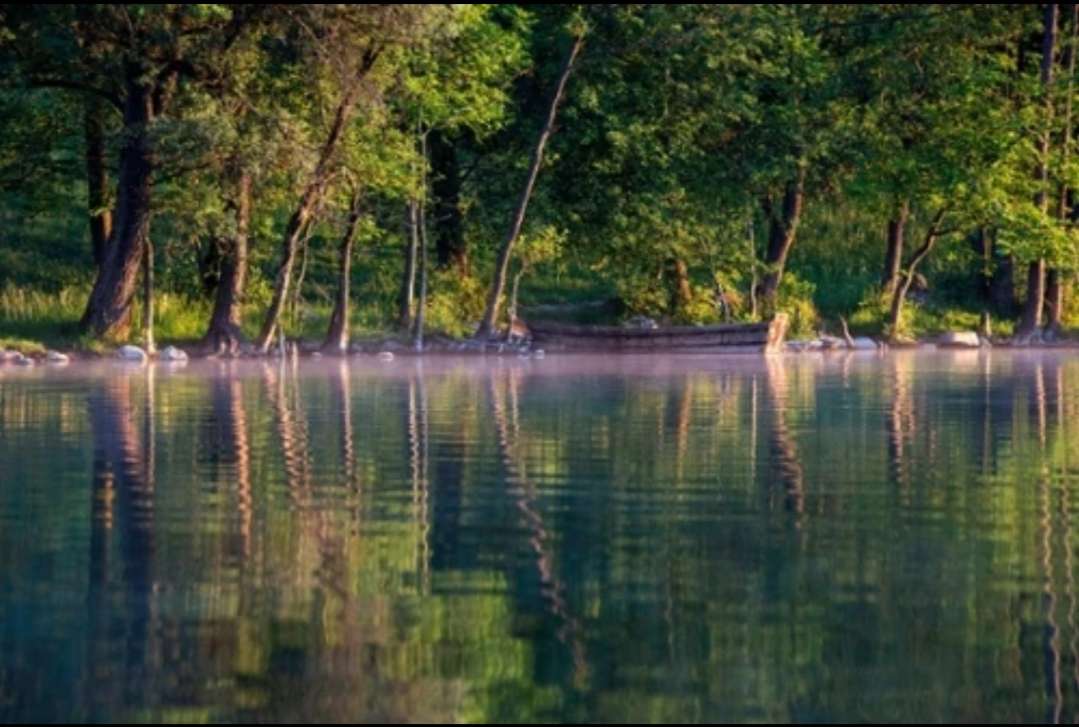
<point x="686" y="538"/>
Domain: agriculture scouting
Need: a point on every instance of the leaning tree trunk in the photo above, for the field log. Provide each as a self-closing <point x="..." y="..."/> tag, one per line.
<point x="782" y="228"/>
<point x="893" y="256"/>
<point x="1032" y="308"/>
<point x="899" y="295"/>
<point x="108" y="310"/>
<point x="224" y="334"/>
<point x="337" y="335"/>
<point x="498" y="284"/>
<point x="305" y="209"/>
<point x="97" y="181"/>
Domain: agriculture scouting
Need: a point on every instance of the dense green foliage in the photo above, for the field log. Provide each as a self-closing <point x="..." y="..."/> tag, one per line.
<point x="706" y="163"/>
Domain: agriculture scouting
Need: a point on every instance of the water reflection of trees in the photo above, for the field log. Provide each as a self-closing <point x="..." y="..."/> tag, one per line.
<point x="506" y="544"/>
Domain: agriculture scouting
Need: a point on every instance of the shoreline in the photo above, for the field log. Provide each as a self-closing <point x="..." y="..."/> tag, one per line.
<point x="389" y="350"/>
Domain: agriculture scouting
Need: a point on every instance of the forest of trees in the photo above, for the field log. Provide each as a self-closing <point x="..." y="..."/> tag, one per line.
<point x="330" y="170"/>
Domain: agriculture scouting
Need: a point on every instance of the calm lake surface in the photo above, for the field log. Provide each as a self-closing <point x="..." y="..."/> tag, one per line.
<point x="583" y="539"/>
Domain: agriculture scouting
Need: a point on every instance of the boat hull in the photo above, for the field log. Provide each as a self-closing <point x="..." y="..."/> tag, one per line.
<point x="728" y="338"/>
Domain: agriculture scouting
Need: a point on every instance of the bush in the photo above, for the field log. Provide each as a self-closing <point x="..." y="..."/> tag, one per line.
<point x="796" y="300"/>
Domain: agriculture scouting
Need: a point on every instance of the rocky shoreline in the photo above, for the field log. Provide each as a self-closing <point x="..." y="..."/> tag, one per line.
<point x="388" y="348"/>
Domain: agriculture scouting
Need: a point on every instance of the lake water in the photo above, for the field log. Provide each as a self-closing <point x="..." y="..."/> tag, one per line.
<point x="569" y="539"/>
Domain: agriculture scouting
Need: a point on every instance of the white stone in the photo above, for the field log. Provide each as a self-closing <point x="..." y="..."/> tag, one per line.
<point x="171" y="353"/>
<point x="864" y="343"/>
<point x="538" y="353"/>
<point x="9" y="355"/>
<point x="385" y="356"/>
<point x="55" y="357"/>
<point x="21" y="360"/>
<point x="131" y="353"/>
<point x="959" y="339"/>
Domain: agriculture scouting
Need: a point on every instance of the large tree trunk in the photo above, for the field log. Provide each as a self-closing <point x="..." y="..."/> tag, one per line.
<point x="305" y="209"/>
<point x="108" y="310"/>
<point x="893" y="255"/>
<point x="1032" y="308"/>
<point x="337" y="336"/>
<point x="224" y="334"/>
<point x="97" y="181"/>
<point x="408" y="279"/>
<point x="679" y="291"/>
<point x="450" y="247"/>
<point x="1031" y="318"/>
<point x="899" y="295"/>
<point x="782" y="228"/>
<point x="498" y="284"/>
<point x="1054" y="302"/>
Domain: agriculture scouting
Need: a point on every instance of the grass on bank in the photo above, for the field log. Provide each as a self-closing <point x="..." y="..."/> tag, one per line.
<point x="32" y="321"/>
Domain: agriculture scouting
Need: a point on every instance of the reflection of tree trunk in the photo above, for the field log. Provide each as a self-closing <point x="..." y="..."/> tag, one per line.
<point x="782" y="444"/>
<point x="1051" y="639"/>
<point x="682" y="421"/>
<point x="293" y="449"/>
<point x="524" y="493"/>
<point x="229" y="430"/>
<point x="120" y="455"/>
<point x="900" y="420"/>
<point x="418" y="467"/>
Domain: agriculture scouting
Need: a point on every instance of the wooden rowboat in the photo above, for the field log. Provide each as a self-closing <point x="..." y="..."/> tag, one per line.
<point x="727" y="338"/>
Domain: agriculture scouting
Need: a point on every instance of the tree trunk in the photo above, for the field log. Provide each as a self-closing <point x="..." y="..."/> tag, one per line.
<point x="893" y="256"/>
<point x="337" y="336"/>
<point x="498" y="284"/>
<point x="97" y="181"/>
<point x="224" y="334"/>
<point x="1056" y="282"/>
<point x="679" y="293"/>
<point x="1035" y="299"/>
<point x="1032" y="309"/>
<point x="408" y="280"/>
<point x="1054" y="303"/>
<point x="782" y="228"/>
<point x="450" y="246"/>
<point x="899" y="295"/>
<point x="108" y="310"/>
<point x="312" y="193"/>
<point x="148" y="296"/>
<point x="421" y="305"/>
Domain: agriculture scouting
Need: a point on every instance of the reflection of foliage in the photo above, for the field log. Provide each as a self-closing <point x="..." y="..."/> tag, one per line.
<point x="350" y="545"/>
